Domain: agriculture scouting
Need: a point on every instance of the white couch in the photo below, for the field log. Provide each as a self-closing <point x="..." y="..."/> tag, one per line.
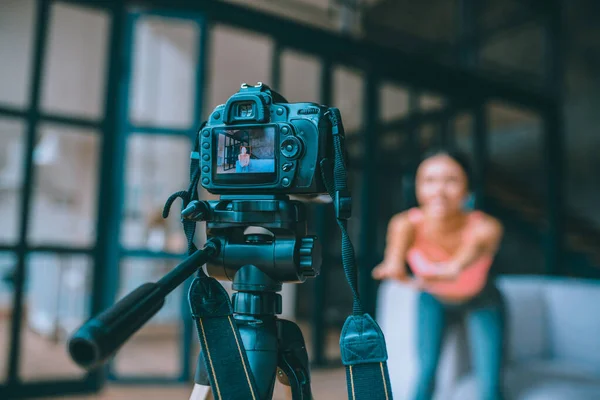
<point x="553" y="341"/>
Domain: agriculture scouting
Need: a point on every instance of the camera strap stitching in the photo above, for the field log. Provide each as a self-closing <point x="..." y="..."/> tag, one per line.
<point x="362" y="342"/>
<point x="204" y="344"/>
<point x="219" y="336"/>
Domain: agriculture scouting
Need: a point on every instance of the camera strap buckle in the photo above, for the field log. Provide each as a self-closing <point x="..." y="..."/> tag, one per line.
<point x="343" y="204"/>
<point x="335" y="130"/>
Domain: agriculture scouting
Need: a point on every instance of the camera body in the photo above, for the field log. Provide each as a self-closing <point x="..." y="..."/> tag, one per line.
<point x="258" y="143"/>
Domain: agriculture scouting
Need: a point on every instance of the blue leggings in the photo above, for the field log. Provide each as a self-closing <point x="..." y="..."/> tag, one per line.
<point x="485" y="320"/>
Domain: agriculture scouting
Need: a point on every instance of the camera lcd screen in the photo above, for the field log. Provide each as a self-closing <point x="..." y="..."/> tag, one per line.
<point x="245" y="154"/>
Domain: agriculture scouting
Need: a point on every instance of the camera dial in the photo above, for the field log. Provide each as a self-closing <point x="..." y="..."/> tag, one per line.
<point x="291" y="147"/>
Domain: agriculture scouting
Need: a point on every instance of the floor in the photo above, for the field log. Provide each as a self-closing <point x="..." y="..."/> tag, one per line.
<point x="327" y="384"/>
<point x="153" y="351"/>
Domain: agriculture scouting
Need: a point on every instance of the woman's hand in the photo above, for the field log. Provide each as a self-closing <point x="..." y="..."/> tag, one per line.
<point x="442" y="272"/>
<point x="387" y="270"/>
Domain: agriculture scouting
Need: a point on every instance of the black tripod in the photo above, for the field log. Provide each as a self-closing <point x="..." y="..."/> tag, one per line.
<point x="257" y="263"/>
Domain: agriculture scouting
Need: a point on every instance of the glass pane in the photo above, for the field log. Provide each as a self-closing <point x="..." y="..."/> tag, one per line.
<point x="520" y="50"/>
<point x="8" y="263"/>
<point x="348" y="91"/>
<point x="429" y="136"/>
<point x="300" y="77"/>
<point x="164" y="70"/>
<point x="16" y="42"/>
<point x="463" y="142"/>
<point x="75" y="67"/>
<point x="11" y="177"/>
<point x="58" y="302"/>
<point x="516" y="147"/>
<point x="394" y="102"/>
<point x="394" y="157"/>
<point x="516" y="185"/>
<point x="582" y="163"/>
<point x="463" y="133"/>
<point x="156" y="167"/>
<point x="429" y="102"/>
<point x="497" y="12"/>
<point x="154" y="349"/>
<point x="237" y="56"/>
<point x="66" y="186"/>
<point x="393" y="143"/>
<point x="317" y="13"/>
<point x="516" y="160"/>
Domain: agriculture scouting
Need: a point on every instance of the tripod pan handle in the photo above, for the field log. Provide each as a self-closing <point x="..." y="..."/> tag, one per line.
<point x="100" y="337"/>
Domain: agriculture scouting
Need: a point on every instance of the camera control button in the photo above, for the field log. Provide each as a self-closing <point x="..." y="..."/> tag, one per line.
<point x="206" y="157"/>
<point x="206" y="145"/>
<point x="206" y="133"/>
<point x="291" y="147"/>
<point x="287" y="167"/>
<point x="205" y="181"/>
<point x="285" y="130"/>
<point x="206" y="168"/>
<point x="285" y="182"/>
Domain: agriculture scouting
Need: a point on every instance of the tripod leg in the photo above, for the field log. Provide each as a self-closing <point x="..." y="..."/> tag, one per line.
<point x="202" y="389"/>
<point x="201" y="392"/>
<point x="293" y="360"/>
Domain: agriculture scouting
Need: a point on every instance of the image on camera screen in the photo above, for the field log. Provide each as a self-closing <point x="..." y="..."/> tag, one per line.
<point x="246" y="150"/>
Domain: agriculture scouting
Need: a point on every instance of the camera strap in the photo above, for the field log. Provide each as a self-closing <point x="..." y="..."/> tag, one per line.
<point x="362" y="343"/>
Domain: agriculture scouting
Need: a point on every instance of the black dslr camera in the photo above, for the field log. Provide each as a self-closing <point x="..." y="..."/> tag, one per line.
<point x="258" y="143"/>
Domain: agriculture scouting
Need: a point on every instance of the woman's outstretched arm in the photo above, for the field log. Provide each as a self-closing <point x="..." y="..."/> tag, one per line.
<point x="400" y="236"/>
<point x="484" y="240"/>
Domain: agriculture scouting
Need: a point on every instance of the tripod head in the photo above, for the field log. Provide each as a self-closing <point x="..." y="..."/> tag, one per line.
<point x="282" y="252"/>
<point x="258" y="263"/>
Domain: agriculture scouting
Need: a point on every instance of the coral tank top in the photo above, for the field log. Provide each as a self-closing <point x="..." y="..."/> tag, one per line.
<point x="424" y="255"/>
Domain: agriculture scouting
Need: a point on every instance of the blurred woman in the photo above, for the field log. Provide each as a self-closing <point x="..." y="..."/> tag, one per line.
<point x="450" y="252"/>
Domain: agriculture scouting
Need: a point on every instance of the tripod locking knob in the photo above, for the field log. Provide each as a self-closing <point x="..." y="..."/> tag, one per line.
<point x="196" y="211"/>
<point x="309" y="254"/>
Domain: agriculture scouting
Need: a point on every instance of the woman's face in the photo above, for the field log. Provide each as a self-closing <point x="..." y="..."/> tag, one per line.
<point x="243" y="150"/>
<point x="441" y="186"/>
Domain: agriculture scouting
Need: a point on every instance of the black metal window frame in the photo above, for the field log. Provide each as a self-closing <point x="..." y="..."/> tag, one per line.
<point x="379" y="64"/>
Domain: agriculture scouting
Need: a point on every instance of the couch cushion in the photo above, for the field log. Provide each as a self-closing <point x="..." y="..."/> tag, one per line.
<point x="561" y="368"/>
<point x="541" y="380"/>
<point x="527" y="319"/>
<point x="573" y="321"/>
<point x="552" y="390"/>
